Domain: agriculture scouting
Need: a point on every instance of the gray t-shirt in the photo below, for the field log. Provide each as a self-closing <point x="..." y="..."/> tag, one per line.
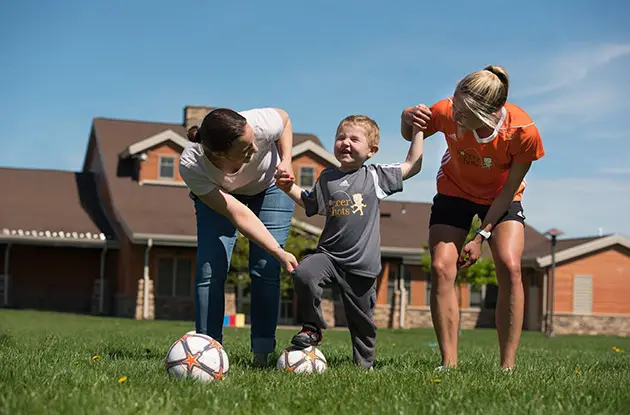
<point x="350" y="202"/>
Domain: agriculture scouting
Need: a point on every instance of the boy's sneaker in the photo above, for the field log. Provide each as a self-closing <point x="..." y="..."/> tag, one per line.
<point x="307" y="337"/>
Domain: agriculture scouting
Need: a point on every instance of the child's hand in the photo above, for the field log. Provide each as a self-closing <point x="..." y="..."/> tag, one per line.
<point x="284" y="180"/>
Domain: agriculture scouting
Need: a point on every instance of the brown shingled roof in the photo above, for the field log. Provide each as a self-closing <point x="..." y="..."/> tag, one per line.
<point x="50" y="200"/>
<point x="544" y="247"/>
<point x="151" y="209"/>
<point x="146" y="209"/>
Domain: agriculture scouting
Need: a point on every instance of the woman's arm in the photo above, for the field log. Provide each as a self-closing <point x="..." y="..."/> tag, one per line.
<point x="505" y="197"/>
<point x="498" y="207"/>
<point x="285" y="144"/>
<point x="248" y="224"/>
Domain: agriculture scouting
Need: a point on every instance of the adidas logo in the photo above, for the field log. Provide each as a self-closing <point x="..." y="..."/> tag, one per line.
<point x="344" y="184"/>
<point x="452" y="136"/>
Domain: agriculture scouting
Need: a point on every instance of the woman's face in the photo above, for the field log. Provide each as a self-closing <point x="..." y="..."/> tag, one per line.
<point x="463" y="116"/>
<point x="242" y="149"/>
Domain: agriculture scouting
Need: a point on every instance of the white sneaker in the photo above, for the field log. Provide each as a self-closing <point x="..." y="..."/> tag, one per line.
<point x="442" y="368"/>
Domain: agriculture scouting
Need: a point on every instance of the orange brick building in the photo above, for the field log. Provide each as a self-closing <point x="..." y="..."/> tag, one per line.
<point x="119" y="238"/>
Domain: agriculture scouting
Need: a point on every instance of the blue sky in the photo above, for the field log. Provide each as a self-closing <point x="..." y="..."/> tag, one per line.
<point x="64" y="63"/>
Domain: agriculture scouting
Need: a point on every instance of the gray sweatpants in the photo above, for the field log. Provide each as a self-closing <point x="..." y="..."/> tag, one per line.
<point x="359" y="298"/>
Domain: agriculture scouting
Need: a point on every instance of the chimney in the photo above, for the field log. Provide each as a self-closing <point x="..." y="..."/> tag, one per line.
<point x="193" y="115"/>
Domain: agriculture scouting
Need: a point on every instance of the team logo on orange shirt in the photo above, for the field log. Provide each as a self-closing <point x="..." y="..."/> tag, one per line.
<point x="472" y="158"/>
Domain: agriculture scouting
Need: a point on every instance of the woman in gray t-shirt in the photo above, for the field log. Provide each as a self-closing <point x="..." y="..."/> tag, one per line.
<point x="229" y="167"/>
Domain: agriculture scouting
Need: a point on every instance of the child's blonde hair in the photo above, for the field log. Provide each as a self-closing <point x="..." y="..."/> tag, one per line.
<point x="484" y="92"/>
<point x="372" y="132"/>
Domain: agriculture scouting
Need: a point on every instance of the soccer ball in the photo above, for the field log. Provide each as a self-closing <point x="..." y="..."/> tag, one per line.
<point x="297" y="360"/>
<point x="197" y="356"/>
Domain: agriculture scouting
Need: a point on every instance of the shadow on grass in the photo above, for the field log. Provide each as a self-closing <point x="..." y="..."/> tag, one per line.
<point x="132" y="354"/>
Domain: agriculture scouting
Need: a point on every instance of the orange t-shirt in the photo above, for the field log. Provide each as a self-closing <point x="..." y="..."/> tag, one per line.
<point x="476" y="168"/>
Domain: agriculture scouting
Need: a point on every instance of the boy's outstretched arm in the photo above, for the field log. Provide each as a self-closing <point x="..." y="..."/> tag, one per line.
<point x="413" y="164"/>
<point x="295" y="193"/>
<point x="287" y="184"/>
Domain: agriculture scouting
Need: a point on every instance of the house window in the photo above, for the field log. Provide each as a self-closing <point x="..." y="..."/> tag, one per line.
<point x="307" y="177"/>
<point x="166" y="167"/>
<point x="174" y="277"/>
<point x="583" y="294"/>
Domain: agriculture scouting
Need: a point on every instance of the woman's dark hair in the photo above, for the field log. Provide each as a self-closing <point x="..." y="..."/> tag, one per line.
<point x="219" y="129"/>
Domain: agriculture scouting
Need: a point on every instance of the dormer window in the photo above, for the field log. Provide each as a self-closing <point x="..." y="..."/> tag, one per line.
<point x="166" y="168"/>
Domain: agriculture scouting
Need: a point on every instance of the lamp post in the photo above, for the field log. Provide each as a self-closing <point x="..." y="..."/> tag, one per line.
<point x="553" y="233"/>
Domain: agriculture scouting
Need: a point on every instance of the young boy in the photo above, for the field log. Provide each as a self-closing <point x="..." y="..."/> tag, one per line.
<point x="348" y="252"/>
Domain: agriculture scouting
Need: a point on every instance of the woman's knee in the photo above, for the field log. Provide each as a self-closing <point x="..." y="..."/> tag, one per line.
<point x="443" y="269"/>
<point x="509" y="270"/>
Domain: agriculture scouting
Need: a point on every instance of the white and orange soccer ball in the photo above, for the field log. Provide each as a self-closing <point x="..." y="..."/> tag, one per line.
<point x="297" y="360"/>
<point x="197" y="356"/>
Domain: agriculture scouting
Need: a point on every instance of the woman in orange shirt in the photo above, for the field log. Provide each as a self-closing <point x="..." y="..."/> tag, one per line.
<point x="491" y="145"/>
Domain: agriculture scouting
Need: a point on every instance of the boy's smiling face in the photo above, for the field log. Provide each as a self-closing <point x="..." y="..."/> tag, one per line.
<point x="351" y="147"/>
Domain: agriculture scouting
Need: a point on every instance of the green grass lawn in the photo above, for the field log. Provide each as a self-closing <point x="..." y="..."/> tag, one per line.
<point x="47" y="366"/>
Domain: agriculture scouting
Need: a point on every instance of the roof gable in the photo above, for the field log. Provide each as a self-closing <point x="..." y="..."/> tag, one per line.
<point x="155" y="140"/>
<point x="587" y="246"/>
<point x="311" y="146"/>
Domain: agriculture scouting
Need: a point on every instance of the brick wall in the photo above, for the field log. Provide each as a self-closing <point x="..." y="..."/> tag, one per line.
<point x="617" y="325"/>
<point x="149" y="168"/>
<point x="610" y="270"/>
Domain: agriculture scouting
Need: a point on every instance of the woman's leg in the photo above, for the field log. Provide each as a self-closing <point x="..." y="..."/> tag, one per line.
<point x="445" y="243"/>
<point x="506" y="243"/>
<point x="215" y="240"/>
<point x="275" y="210"/>
<point x="449" y="224"/>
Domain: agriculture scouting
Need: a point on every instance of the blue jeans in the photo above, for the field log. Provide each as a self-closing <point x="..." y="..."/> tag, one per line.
<point x="215" y="240"/>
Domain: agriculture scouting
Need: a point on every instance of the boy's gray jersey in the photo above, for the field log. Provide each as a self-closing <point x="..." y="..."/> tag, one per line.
<point x="350" y="202"/>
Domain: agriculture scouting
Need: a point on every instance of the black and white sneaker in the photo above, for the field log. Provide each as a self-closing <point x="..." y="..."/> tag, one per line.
<point x="310" y="335"/>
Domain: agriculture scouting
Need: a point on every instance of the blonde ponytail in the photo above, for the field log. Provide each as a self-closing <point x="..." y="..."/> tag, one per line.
<point x="484" y="92"/>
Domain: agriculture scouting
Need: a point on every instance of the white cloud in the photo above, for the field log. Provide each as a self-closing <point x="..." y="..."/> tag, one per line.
<point x="616" y="170"/>
<point x="578" y="207"/>
<point x="569" y="68"/>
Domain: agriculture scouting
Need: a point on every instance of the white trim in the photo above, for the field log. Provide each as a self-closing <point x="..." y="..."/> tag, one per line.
<point x="379" y="192"/>
<point x="585" y="248"/>
<point x="496" y="129"/>
<point x="140" y="146"/>
<point x="315" y="148"/>
<point x="163" y="182"/>
<point x="518" y="126"/>
<point x="161" y="239"/>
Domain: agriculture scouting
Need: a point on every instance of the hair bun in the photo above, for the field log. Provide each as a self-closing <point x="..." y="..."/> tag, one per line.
<point x="193" y="134"/>
<point x="500" y="72"/>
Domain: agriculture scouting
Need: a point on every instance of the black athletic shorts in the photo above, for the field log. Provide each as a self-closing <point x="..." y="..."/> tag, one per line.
<point x="458" y="212"/>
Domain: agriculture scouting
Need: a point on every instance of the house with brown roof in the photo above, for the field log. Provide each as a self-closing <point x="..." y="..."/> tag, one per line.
<point x="119" y="238"/>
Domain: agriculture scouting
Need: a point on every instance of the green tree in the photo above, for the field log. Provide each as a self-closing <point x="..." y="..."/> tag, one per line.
<point x="480" y="273"/>
<point x="299" y="243"/>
